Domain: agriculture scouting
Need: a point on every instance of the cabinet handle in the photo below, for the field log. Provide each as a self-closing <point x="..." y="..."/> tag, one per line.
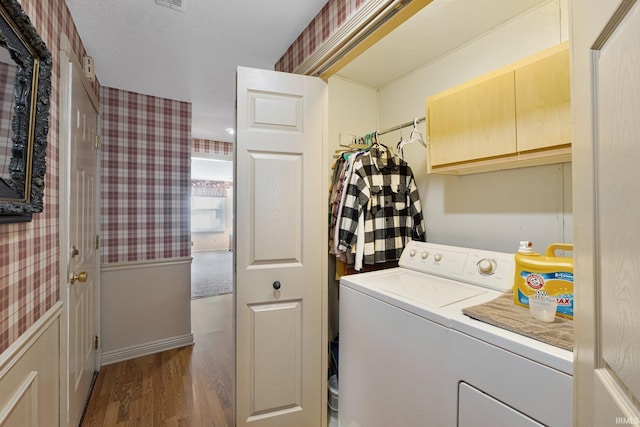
<point x="276" y="285"/>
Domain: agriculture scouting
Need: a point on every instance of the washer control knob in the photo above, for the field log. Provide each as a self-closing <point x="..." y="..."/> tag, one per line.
<point x="424" y="255"/>
<point x="412" y="253"/>
<point x="437" y="257"/>
<point x="486" y="266"/>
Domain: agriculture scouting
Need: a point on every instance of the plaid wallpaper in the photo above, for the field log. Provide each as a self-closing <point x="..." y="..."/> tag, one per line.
<point x="29" y="252"/>
<point x="147" y="199"/>
<point x="146" y="177"/>
<point x="327" y="21"/>
<point x="212" y="147"/>
<point x="201" y="187"/>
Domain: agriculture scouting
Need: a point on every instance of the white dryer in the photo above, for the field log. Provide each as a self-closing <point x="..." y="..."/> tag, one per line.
<point x="409" y="357"/>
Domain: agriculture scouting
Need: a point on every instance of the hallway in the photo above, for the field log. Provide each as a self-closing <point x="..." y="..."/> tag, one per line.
<point x="211" y="273"/>
<point x="188" y="386"/>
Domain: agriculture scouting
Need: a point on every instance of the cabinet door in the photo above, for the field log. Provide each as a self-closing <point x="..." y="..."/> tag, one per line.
<point x="475" y="122"/>
<point x="543" y="102"/>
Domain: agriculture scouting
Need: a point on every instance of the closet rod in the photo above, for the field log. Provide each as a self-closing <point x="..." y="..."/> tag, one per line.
<point x="402" y="126"/>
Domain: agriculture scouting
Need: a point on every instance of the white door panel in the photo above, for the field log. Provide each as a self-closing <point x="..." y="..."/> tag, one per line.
<point x="277" y="356"/>
<point x="83" y="253"/>
<point x="275" y="111"/>
<point x="606" y="82"/>
<point x="277" y="216"/>
<point x="280" y="252"/>
<point x="617" y="106"/>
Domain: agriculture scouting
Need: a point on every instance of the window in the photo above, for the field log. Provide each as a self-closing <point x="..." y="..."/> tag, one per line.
<point x="208" y="214"/>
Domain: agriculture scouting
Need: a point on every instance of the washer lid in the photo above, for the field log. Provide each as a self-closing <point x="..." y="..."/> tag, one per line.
<point x="424" y="289"/>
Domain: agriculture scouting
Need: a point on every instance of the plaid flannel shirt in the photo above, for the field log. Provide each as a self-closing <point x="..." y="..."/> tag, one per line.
<point x="382" y="189"/>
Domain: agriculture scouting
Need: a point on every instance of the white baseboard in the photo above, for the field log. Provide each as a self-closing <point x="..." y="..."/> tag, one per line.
<point x="145" y="349"/>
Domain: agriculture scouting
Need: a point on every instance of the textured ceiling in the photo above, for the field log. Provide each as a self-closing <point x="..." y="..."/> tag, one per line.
<point x="192" y="56"/>
<point x="440" y="27"/>
<point x="211" y="169"/>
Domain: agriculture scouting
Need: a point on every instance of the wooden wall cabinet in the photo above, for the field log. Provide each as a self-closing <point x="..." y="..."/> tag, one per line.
<point x="516" y="116"/>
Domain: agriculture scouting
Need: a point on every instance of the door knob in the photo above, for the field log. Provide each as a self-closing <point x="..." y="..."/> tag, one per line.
<point x="82" y="277"/>
<point x="276" y="285"/>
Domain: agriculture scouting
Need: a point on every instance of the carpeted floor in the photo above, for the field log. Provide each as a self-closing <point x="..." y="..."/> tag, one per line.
<point x="211" y="273"/>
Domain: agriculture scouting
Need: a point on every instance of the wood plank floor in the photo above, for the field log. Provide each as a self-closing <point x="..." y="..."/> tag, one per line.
<point x="189" y="386"/>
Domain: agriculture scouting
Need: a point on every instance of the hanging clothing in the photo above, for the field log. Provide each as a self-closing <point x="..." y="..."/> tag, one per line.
<point x="383" y="189"/>
<point x="335" y="192"/>
<point x="339" y="187"/>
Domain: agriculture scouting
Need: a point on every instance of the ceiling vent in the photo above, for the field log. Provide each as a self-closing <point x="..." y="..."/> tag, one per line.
<point x="180" y="5"/>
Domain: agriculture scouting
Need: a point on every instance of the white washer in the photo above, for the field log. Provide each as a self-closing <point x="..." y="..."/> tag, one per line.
<point x="409" y="357"/>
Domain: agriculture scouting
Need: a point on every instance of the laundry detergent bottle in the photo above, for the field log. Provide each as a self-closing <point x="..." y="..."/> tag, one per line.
<point x="548" y="274"/>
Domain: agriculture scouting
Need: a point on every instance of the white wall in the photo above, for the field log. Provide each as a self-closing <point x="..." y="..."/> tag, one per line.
<point x="146" y="308"/>
<point x="30" y="375"/>
<point x="353" y="109"/>
<point x="492" y="210"/>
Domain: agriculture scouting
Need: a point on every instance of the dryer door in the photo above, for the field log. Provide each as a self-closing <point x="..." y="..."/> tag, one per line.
<point x="477" y="409"/>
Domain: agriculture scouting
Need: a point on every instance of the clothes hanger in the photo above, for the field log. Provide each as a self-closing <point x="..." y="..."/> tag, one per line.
<point x="400" y="143"/>
<point x="416" y="135"/>
<point x="358" y="144"/>
<point x="383" y="151"/>
<point x="375" y="137"/>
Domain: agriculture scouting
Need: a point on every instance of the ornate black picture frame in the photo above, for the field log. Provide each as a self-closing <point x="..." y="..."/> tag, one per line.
<point x="22" y="172"/>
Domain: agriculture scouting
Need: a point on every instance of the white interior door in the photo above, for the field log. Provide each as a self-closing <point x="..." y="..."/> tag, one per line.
<point x="280" y="256"/>
<point x="83" y="253"/>
<point x="606" y="60"/>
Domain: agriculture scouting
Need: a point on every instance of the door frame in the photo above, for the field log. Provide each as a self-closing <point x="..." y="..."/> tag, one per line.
<point x="212" y="156"/>
<point x="64" y="132"/>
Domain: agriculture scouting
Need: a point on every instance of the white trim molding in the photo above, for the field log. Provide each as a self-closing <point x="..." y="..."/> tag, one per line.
<point x="15" y="351"/>
<point x="342" y="38"/>
<point x="30" y="374"/>
<point x="147" y="348"/>
<point x="26" y="392"/>
<point x="118" y="266"/>
<point x="372" y="21"/>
